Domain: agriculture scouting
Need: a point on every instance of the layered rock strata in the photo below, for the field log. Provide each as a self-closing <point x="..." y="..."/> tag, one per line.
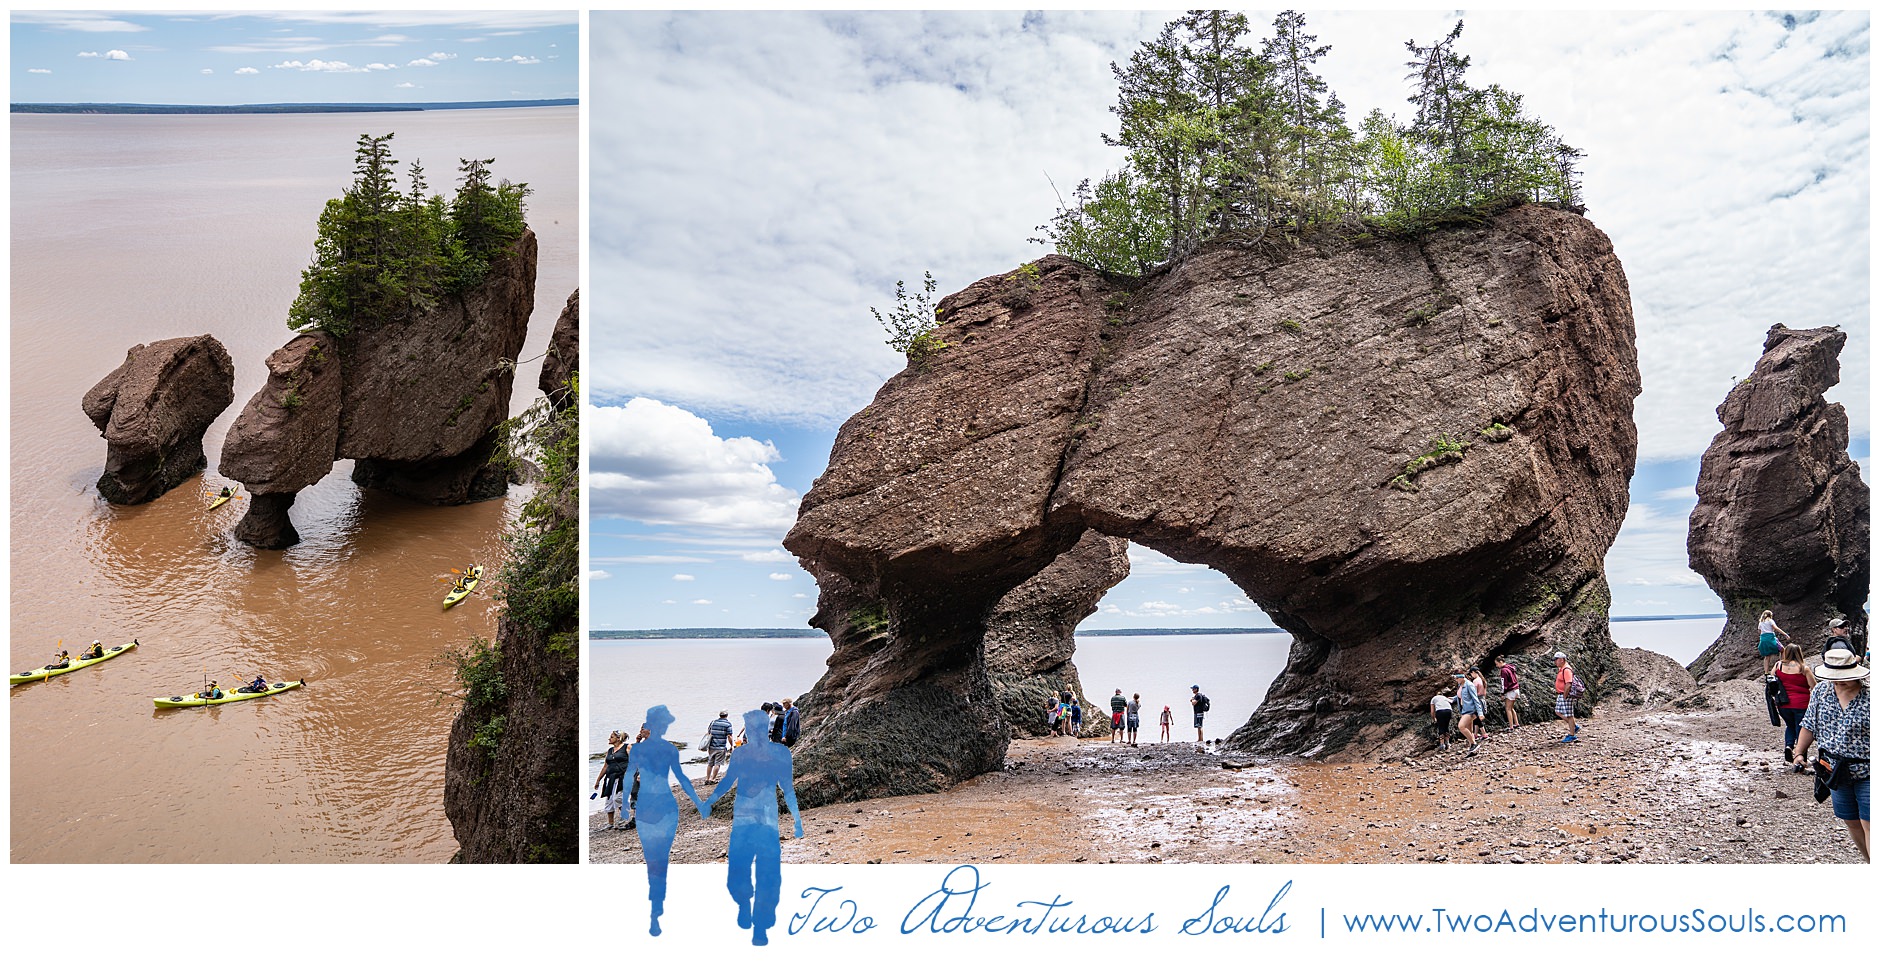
<point x="153" y="410"/>
<point x="1408" y="452"/>
<point x="563" y="357"/>
<point x="1781" y="521"/>
<point x="413" y="403"/>
<point x="1029" y="637"/>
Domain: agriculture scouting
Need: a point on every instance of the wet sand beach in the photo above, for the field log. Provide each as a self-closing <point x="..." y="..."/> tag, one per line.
<point x="1697" y="780"/>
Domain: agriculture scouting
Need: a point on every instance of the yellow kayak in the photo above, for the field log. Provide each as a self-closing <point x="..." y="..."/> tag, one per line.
<point x="228" y="696"/>
<point x="47" y="672"/>
<point x="219" y="501"/>
<point x="470" y="580"/>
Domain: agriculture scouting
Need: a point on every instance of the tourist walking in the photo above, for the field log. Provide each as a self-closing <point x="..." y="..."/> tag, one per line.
<point x="755" y="854"/>
<point x="1132" y="716"/>
<point x="1168" y="722"/>
<point x="1469" y="710"/>
<point x="1798" y="684"/>
<point x="1567" y="691"/>
<point x="1481" y="693"/>
<point x="1839" y="720"/>
<point x="1441" y="710"/>
<point x="1766" y="645"/>
<point x="717" y="746"/>
<point x="1837" y="638"/>
<point x="656" y="760"/>
<point x="1510" y="693"/>
<point x="611" y="781"/>
<point x="789" y="723"/>
<point x="1118" y="704"/>
<point x="1200" y="702"/>
<point x="1077" y="721"/>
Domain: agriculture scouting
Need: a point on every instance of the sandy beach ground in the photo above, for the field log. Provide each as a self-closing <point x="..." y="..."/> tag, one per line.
<point x="1698" y="780"/>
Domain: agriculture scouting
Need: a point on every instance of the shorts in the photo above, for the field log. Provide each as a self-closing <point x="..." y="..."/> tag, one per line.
<point x="611" y="805"/>
<point x="1562" y="706"/>
<point x="1134" y="722"/>
<point x="1850" y="800"/>
<point x="1116" y="719"/>
<point x="1199" y="717"/>
<point x="1442" y="721"/>
<point x="1767" y="645"/>
<point x="1511" y="696"/>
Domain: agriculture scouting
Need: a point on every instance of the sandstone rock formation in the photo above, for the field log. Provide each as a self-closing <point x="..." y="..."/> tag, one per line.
<point x="1409" y="452"/>
<point x="1028" y="642"/>
<point x="1781" y="515"/>
<point x="563" y="357"/>
<point x="414" y="404"/>
<point x="153" y="410"/>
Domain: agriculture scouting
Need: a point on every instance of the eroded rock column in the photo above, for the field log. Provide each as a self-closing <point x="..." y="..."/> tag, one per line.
<point x="153" y="410"/>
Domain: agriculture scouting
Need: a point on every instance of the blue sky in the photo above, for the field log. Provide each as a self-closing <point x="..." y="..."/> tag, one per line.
<point x="230" y="58"/>
<point x="760" y="180"/>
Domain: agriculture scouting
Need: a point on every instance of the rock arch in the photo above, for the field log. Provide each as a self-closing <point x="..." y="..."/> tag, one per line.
<point x="1410" y="453"/>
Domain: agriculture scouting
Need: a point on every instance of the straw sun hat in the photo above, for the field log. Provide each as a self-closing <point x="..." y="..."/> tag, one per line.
<point x="1838" y="665"/>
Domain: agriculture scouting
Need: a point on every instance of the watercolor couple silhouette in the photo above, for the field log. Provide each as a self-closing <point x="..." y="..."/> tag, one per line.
<point x="758" y="769"/>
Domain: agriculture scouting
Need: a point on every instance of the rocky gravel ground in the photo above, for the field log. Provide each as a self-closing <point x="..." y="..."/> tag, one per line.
<point x="1697" y="780"/>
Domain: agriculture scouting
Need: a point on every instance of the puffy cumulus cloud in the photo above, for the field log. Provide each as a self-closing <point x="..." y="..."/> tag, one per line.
<point x="440" y="56"/>
<point x="111" y="55"/>
<point x="684" y="578"/>
<point x="316" y="65"/>
<point x="423" y="62"/>
<point x="663" y="465"/>
<point x="377" y="66"/>
<point x="515" y="59"/>
<point x="779" y="577"/>
<point x="769" y="555"/>
<point x="247" y="70"/>
<point x="599" y="574"/>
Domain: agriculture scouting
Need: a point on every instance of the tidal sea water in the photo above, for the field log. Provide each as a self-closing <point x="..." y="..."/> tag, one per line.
<point x="132" y="229"/>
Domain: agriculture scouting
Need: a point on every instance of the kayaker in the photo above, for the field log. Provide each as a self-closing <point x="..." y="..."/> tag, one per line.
<point x="213" y="693"/>
<point x="64" y="660"/>
<point x="96" y="650"/>
<point x="259" y="686"/>
<point x="227" y="492"/>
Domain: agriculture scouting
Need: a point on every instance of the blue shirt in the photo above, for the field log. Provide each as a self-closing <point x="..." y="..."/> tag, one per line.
<point x="1468" y="701"/>
<point x="720" y="731"/>
<point x="1841" y="731"/>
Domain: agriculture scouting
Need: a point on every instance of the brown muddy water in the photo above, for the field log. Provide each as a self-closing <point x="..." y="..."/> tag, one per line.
<point x="131" y="229"/>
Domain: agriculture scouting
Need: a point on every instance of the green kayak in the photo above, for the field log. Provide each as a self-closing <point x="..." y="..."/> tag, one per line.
<point x="47" y="672"/>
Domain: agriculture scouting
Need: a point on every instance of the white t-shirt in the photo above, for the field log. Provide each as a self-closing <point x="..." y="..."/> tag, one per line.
<point x="1767" y="625"/>
<point x="1440" y="702"/>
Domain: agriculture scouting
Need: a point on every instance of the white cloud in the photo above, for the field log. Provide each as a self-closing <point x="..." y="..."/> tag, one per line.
<point x="663" y="465"/>
<point x="247" y="70"/>
<point x="404" y="84"/>
<point x="111" y="55"/>
<point x="377" y="66"/>
<point x="1686" y="494"/>
<point x="441" y="56"/>
<point x="208" y="71"/>
<point x="423" y="62"/>
<point x="516" y="59"/>
<point x="701" y="601"/>
<point x="684" y="578"/>
<point x="318" y="65"/>
<point x="779" y="577"/>
<point x="38" y="70"/>
<point x="1650" y="549"/>
<point x="599" y="574"/>
<point x="799" y="595"/>
<point x="771" y="555"/>
<point x="648" y="560"/>
<point x="91" y="23"/>
<point x="1737" y="195"/>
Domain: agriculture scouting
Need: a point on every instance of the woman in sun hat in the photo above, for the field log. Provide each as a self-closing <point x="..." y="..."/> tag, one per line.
<point x="1840" y="718"/>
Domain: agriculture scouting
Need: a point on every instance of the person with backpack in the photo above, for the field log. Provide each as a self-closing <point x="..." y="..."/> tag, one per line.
<point x="1840" y="719"/>
<point x="1796" y="685"/>
<point x="1837" y="638"/>
<point x="1118" y="704"/>
<point x="1567" y="692"/>
<point x="610" y="783"/>
<point x="1132" y="717"/>
<point x="1200" y="702"/>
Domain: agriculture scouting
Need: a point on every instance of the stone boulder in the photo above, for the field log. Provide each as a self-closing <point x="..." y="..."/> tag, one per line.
<point x="1029" y="637"/>
<point x="285" y="437"/>
<point x="414" y="403"/>
<point x="1408" y="451"/>
<point x="563" y="357"/>
<point x="1781" y="516"/>
<point x="153" y="410"/>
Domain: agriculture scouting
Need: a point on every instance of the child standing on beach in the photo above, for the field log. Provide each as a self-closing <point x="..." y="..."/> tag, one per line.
<point x="1168" y="721"/>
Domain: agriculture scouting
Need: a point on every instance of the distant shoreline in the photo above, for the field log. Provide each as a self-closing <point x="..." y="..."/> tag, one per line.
<point x="621" y="634"/>
<point x="127" y="108"/>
